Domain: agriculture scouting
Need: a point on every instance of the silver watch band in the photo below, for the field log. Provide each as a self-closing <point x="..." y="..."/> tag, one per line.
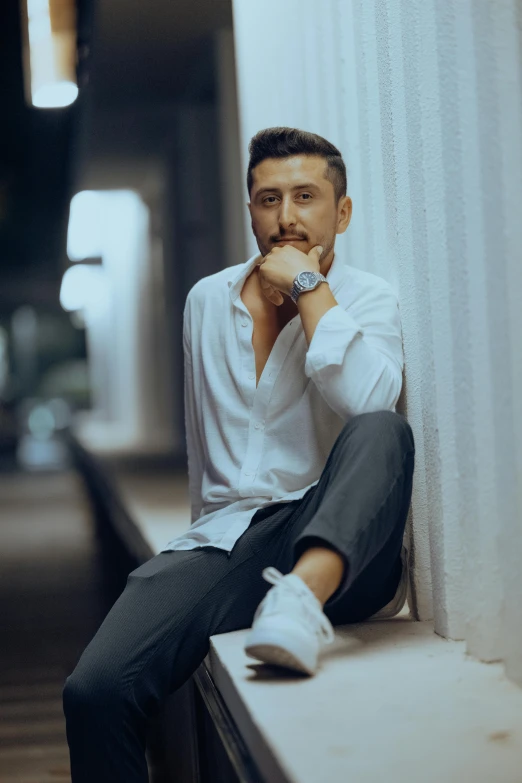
<point x="298" y="289"/>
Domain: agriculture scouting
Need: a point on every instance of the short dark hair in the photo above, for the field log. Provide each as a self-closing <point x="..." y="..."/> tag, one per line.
<point x="283" y="142"/>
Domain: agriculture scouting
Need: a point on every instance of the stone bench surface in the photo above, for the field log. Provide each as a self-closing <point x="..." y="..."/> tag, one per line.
<point x="392" y="702"/>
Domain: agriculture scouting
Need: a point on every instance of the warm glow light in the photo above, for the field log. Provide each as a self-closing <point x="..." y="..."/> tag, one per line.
<point x="50" y="52"/>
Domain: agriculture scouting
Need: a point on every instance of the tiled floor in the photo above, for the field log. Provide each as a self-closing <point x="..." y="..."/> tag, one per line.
<point x="55" y="590"/>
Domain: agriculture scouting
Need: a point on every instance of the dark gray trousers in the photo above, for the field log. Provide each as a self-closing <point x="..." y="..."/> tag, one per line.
<point x="157" y="632"/>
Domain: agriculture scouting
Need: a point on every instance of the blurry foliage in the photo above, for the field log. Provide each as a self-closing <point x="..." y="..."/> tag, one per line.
<point x="61" y="358"/>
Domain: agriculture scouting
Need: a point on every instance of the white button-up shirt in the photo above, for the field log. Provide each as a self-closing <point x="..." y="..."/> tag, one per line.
<point x="249" y="446"/>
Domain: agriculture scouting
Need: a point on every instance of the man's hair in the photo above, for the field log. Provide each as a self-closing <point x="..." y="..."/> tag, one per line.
<point x="284" y="142"/>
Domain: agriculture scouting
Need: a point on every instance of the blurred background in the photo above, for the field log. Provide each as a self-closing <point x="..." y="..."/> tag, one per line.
<point x="120" y="177"/>
<point x="98" y="198"/>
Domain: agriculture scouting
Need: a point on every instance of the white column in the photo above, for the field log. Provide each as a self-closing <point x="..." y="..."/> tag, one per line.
<point x="233" y="180"/>
<point x="424" y="101"/>
<point x="502" y="26"/>
<point x="121" y="325"/>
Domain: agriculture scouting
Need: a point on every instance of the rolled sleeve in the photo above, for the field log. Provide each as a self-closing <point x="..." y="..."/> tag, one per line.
<point x="356" y="358"/>
<point x="333" y="334"/>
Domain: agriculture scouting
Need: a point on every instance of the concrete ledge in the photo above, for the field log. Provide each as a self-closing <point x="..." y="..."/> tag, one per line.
<point x="392" y="701"/>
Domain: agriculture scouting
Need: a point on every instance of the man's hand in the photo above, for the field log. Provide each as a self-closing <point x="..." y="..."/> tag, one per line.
<point x="277" y="270"/>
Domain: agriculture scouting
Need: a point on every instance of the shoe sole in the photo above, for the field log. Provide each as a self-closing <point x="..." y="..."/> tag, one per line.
<point x="268" y="651"/>
<point x="402" y="595"/>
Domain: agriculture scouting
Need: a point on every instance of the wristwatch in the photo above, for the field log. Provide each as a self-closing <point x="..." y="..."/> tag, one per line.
<point x="306" y="281"/>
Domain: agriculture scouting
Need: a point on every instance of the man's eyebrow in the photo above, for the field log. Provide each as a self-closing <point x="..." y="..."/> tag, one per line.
<point x="301" y="186"/>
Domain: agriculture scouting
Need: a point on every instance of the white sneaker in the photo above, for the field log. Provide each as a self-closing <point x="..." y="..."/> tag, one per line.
<point x="289" y="627"/>
<point x="401" y="594"/>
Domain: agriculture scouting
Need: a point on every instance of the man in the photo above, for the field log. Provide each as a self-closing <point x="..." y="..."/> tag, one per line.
<point x="300" y="470"/>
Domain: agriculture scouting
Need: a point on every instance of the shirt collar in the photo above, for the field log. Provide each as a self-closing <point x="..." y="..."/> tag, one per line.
<point x="235" y="281"/>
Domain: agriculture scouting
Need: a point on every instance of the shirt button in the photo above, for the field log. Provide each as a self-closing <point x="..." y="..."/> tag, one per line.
<point x="251" y="375"/>
<point x="247" y="473"/>
<point x="258" y="425"/>
<point x="243" y="323"/>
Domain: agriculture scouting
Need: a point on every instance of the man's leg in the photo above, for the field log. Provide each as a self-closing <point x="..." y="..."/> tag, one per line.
<point x="359" y="511"/>
<point x="344" y="537"/>
<point x="150" y="643"/>
<point x="322" y="569"/>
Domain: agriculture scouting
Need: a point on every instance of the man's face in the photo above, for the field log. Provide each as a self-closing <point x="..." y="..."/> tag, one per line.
<point x="292" y="200"/>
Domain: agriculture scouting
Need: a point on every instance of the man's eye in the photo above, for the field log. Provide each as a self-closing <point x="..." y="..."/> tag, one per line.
<point x="266" y="200"/>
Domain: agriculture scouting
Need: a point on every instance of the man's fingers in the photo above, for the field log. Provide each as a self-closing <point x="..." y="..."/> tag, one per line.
<point x="318" y="251"/>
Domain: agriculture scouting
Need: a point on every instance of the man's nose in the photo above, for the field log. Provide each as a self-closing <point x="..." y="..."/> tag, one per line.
<point x="287" y="213"/>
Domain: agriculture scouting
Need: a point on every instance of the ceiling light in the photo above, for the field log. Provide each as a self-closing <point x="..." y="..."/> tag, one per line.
<point x="49" y="52"/>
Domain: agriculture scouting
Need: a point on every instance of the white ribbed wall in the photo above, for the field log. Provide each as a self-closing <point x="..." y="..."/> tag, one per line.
<point x="424" y="100"/>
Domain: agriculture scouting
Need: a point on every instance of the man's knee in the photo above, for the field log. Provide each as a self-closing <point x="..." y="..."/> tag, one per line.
<point x="91" y="690"/>
<point x="384" y="425"/>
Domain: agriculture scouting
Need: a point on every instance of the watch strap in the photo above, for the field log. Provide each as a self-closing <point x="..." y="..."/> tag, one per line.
<point x="297" y="288"/>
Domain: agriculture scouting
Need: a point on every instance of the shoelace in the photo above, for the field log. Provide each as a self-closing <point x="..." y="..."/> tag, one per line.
<point x="275" y="577"/>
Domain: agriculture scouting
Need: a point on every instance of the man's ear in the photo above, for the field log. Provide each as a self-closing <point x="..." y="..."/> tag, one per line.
<point x="346" y="215"/>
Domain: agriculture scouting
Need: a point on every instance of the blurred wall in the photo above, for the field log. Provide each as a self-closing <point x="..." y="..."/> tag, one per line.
<point x="171" y="134"/>
<point x="197" y="221"/>
<point x="169" y="155"/>
<point x="232" y="175"/>
<point x="424" y="101"/>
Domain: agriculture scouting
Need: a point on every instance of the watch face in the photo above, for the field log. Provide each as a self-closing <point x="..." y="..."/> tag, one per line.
<point x="307" y="279"/>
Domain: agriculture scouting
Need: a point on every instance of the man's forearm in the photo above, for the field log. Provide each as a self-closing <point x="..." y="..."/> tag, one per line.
<point x="312" y="305"/>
